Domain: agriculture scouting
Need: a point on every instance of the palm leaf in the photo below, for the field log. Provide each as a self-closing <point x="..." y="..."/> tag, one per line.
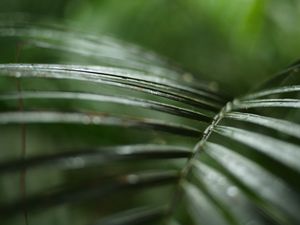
<point x="132" y="130"/>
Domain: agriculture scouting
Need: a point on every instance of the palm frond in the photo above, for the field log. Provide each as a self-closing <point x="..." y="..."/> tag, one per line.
<point x="133" y="130"/>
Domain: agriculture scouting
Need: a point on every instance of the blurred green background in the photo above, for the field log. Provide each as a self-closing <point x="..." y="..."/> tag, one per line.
<point x="238" y="43"/>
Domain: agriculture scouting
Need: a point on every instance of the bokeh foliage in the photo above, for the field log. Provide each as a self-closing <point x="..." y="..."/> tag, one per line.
<point x="234" y="42"/>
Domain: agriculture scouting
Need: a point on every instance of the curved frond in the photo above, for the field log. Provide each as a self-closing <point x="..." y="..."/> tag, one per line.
<point x="131" y="139"/>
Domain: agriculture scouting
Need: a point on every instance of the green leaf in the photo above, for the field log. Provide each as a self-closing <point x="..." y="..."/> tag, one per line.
<point x="226" y="173"/>
<point x="283" y="126"/>
<point x="94" y="119"/>
<point x="280" y="90"/>
<point x="133" y="102"/>
<point x="284" y="152"/>
<point x="200" y="208"/>
<point x="134" y="217"/>
<point x="259" y="181"/>
<point x="101" y="76"/>
<point x="83" y="158"/>
<point x="266" y="103"/>
<point x="88" y="190"/>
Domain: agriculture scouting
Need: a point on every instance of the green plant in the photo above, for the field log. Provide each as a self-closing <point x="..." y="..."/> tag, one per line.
<point x="139" y="136"/>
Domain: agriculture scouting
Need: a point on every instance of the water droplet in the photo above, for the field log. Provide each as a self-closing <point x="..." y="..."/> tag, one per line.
<point x="232" y="191"/>
<point x="17" y="74"/>
<point x="228" y="107"/>
<point x="86" y="120"/>
<point x="252" y="222"/>
<point x="75" y="162"/>
<point x="125" y="151"/>
<point x="187" y="77"/>
<point x="96" y="120"/>
<point x="213" y="86"/>
<point x="132" y="179"/>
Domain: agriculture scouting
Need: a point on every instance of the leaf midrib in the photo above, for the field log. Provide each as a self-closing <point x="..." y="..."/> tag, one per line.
<point x="197" y="150"/>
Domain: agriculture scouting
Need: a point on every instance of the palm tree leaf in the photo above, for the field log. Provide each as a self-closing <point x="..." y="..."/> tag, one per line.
<point x="94" y="119"/>
<point x="279" y="125"/>
<point x="133" y="102"/>
<point x="200" y="207"/>
<point x="284" y="152"/>
<point x="240" y="166"/>
<point x="225" y="190"/>
<point x="136" y="216"/>
<point x="265" y="103"/>
<point x="279" y="90"/>
<point x="91" y="157"/>
<point x="258" y="181"/>
<point x="67" y="72"/>
<point x="89" y="190"/>
<point x="121" y="54"/>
